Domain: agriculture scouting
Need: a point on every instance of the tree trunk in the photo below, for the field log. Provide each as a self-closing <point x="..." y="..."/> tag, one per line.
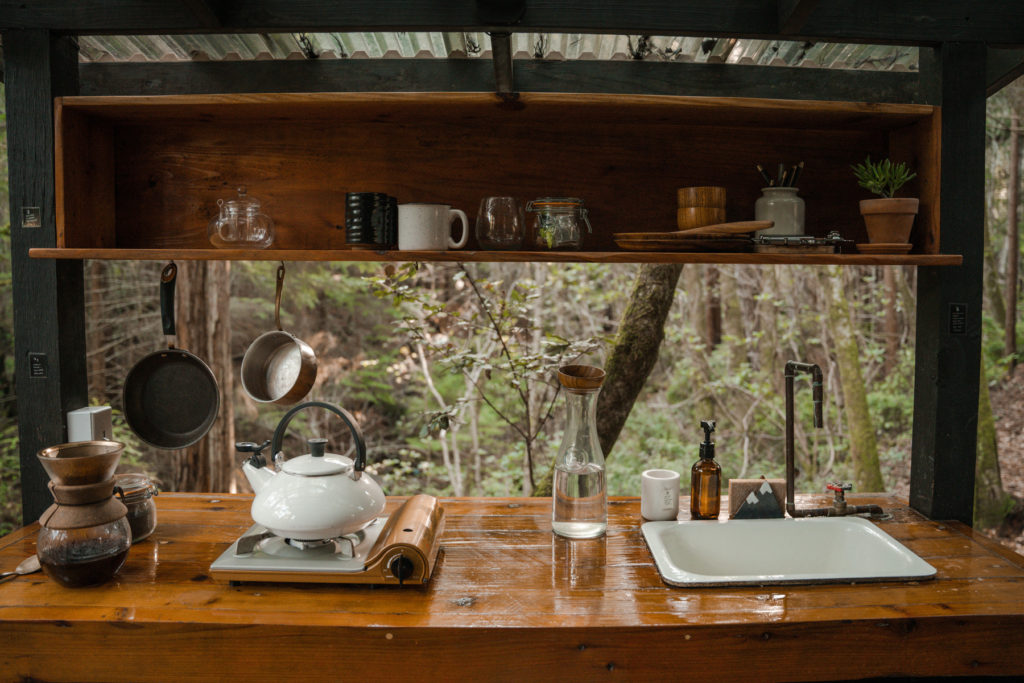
<point x="732" y="315"/>
<point x="991" y="502"/>
<point x="892" y="323"/>
<point x="636" y="348"/>
<point x="993" y="287"/>
<point x="863" y="446"/>
<point x="1012" y="244"/>
<point x="96" y="332"/>
<point x="712" y="308"/>
<point x="204" y="328"/>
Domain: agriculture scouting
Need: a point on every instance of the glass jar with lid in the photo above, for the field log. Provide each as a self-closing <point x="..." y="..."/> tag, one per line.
<point x="557" y="222"/>
<point x="138" y="492"/>
<point x="241" y="223"/>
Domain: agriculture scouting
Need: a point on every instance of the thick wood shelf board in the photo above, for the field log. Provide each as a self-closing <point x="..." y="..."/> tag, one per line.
<point x="496" y="256"/>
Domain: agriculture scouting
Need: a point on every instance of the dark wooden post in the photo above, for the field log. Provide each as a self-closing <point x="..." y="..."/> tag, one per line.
<point x="49" y="321"/>
<point x="949" y="302"/>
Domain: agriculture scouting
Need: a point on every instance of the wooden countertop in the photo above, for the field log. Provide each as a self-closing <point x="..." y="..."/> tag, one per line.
<point x="509" y="601"/>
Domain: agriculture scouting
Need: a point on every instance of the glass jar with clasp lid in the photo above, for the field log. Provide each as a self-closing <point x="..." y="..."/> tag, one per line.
<point x="138" y="492"/>
<point x="557" y="222"/>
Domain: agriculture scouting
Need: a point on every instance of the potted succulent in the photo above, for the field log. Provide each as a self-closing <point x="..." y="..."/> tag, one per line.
<point x="889" y="219"/>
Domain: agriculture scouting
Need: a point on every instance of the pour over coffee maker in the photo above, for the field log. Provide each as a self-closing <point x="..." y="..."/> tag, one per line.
<point x="85" y="535"/>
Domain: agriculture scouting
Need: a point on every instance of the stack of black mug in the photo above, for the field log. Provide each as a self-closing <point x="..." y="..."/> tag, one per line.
<point x="371" y="219"/>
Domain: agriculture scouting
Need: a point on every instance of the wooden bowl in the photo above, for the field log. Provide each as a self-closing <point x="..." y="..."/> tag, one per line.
<point x="701" y="196"/>
<point x="690" y="217"/>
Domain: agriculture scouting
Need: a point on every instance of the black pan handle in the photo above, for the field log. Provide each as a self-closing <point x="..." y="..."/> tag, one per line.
<point x="277" y="296"/>
<point x="167" y="279"/>
<point x="346" y="417"/>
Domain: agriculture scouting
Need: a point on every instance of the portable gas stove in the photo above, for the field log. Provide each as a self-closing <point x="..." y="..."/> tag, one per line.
<point x="400" y="549"/>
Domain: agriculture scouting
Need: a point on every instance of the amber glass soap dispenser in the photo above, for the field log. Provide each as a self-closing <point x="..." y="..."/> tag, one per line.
<point x="706" y="479"/>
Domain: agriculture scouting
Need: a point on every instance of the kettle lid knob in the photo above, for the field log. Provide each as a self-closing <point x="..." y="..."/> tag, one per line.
<point x="317" y="446"/>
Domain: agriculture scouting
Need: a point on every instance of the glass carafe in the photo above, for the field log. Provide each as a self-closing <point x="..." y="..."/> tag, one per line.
<point x="580" y="500"/>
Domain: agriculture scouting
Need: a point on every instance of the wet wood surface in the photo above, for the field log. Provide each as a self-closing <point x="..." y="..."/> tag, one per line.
<point x="509" y="601"/>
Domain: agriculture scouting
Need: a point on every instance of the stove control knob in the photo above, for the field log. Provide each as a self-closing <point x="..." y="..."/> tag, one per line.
<point x="401" y="567"/>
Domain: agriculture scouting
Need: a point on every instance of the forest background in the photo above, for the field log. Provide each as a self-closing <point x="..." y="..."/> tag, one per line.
<point x="450" y="369"/>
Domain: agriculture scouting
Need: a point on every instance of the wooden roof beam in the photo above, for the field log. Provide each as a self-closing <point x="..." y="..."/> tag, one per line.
<point x="996" y="22"/>
<point x="475" y="75"/>
<point x="793" y="14"/>
<point x="1002" y="68"/>
<point x="204" y="13"/>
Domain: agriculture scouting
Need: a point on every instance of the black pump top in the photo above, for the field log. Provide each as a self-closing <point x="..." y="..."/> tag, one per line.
<point x="707" y="449"/>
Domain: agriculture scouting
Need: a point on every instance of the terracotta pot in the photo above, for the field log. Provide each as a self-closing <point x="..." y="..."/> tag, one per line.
<point x="889" y="220"/>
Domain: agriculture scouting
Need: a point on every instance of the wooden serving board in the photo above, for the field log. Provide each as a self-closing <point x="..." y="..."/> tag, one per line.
<point x="726" y="243"/>
<point x="715" y="230"/>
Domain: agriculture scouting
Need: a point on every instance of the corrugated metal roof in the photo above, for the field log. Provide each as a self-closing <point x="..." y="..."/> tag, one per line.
<point x="469" y="45"/>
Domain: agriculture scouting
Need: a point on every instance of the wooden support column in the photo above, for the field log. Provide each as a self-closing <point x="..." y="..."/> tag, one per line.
<point x="501" y="51"/>
<point x="49" y="321"/>
<point x="949" y="302"/>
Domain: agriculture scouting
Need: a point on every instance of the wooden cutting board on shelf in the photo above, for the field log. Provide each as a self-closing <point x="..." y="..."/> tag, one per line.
<point x="730" y="243"/>
<point x="715" y="230"/>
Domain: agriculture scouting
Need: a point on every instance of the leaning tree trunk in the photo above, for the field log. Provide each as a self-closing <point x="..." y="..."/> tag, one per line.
<point x="636" y="348"/>
<point x="633" y="355"/>
<point x="204" y="328"/>
<point x="991" y="502"/>
<point x="863" y="446"/>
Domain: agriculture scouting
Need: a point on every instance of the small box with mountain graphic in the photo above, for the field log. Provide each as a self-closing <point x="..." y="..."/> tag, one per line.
<point x="757" y="498"/>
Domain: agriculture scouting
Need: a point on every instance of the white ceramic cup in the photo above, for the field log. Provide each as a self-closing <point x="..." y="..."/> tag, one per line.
<point x="659" y="495"/>
<point x="428" y="227"/>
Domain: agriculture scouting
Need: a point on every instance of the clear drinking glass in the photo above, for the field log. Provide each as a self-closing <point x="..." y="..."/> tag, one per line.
<point x="500" y="223"/>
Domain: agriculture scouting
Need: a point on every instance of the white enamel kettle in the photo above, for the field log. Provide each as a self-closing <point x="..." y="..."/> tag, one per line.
<point x="315" y="496"/>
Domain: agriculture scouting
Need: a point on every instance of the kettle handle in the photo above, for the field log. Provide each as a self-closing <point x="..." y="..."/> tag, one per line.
<point x="346" y="417"/>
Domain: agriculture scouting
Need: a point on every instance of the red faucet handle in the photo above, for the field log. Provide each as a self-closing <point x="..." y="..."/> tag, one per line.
<point x="839" y="486"/>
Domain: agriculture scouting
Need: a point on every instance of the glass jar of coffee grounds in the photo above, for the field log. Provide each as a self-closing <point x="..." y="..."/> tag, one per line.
<point x="138" y="498"/>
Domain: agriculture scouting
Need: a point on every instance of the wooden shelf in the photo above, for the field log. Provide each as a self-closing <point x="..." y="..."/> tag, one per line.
<point x="139" y="177"/>
<point x="497" y="256"/>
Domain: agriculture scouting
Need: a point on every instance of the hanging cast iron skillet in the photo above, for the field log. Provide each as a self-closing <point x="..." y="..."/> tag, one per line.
<point x="171" y="397"/>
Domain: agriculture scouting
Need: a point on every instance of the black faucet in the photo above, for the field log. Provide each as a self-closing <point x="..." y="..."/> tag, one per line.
<point x="839" y="506"/>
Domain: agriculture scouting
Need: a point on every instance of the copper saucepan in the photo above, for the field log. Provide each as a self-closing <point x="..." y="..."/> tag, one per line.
<point x="278" y="367"/>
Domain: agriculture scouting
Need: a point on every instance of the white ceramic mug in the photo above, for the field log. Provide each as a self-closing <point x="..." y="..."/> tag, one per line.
<point x="428" y="227"/>
<point x="659" y="495"/>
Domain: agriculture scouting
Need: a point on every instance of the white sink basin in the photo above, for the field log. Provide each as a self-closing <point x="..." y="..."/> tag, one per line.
<point x="775" y="551"/>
